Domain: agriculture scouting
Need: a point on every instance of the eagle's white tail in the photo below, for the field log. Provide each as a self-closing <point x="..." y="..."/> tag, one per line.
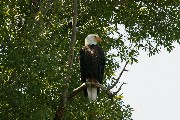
<point x="92" y="93"/>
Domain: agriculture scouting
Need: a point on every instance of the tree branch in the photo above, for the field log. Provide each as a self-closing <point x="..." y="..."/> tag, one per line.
<point x="64" y="97"/>
<point x="84" y="85"/>
<point x="117" y="79"/>
<point x="115" y="93"/>
<point x="76" y="91"/>
<point x="96" y="84"/>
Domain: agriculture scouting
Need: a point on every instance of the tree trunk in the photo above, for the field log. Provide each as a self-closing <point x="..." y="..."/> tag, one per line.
<point x="62" y="105"/>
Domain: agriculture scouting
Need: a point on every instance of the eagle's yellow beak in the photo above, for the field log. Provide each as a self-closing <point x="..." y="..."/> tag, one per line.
<point x="98" y="39"/>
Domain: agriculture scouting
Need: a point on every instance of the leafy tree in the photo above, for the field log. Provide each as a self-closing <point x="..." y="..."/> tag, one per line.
<point x="36" y="47"/>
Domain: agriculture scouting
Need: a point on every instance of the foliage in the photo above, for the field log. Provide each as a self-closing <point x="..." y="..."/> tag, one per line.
<point x="34" y="45"/>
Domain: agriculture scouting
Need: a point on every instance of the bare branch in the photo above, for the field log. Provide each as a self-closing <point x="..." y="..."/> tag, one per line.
<point x="84" y="85"/>
<point x="76" y="91"/>
<point x="117" y="80"/>
<point x="115" y="93"/>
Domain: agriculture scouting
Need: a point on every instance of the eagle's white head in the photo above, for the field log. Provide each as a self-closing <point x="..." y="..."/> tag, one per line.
<point x="92" y="39"/>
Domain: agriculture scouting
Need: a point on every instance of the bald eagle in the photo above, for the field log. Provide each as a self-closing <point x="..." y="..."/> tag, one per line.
<point x="92" y="63"/>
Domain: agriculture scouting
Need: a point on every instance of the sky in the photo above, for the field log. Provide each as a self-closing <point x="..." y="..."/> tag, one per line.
<point x="153" y="88"/>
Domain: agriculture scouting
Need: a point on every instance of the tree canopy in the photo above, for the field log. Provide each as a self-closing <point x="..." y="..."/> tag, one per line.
<point x="35" y="42"/>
